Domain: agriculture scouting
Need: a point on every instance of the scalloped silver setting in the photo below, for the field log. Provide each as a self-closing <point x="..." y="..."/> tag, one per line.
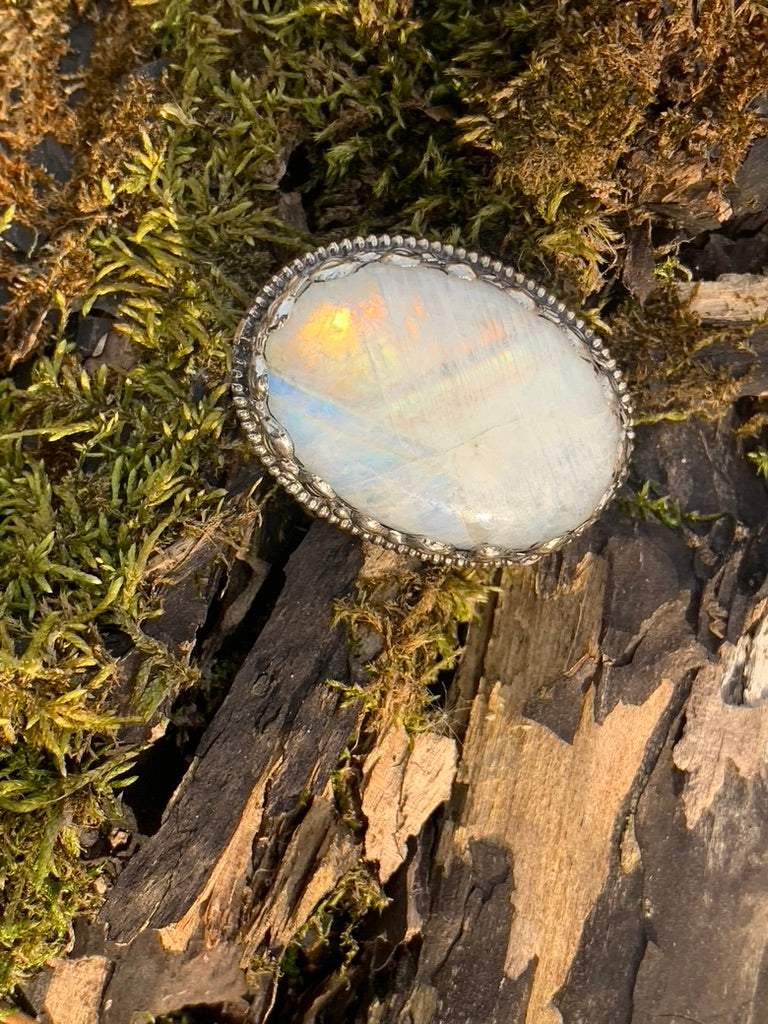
<point x="273" y="447"/>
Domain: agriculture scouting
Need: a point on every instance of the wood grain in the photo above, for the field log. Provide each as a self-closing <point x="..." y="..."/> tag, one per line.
<point x="732" y="298"/>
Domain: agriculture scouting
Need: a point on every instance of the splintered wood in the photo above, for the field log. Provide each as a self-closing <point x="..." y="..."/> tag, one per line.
<point x="406" y="780"/>
<point x="76" y="988"/>
<point x="553" y="807"/>
<point x="549" y="805"/>
<point x="570" y="824"/>
<point x="720" y="739"/>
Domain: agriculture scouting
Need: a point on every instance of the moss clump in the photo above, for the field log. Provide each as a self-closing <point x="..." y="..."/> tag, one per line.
<point x="623" y="113"/>
<point x="96" y="474"/>
<point x="333" y="924"/>
<point x="410" y="617"/>
<point x="663" y="348"/>
<point x="84" y="116"/>
<point x="647" y="505"/>
<point x="327" y="943"/>
<point x="100" y="469"/>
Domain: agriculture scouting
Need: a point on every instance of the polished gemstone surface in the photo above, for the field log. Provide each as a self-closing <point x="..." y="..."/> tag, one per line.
<point x="442" y="406"/>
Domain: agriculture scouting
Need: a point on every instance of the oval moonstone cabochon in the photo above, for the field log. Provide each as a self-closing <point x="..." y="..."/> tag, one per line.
<point x="432" y="400"/>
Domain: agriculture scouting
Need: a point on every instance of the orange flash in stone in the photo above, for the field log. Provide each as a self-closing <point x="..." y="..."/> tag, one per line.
<point x="329" y="333"/>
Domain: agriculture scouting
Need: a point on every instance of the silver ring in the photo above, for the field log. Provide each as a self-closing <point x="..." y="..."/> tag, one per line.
<point x="276" y="448"/>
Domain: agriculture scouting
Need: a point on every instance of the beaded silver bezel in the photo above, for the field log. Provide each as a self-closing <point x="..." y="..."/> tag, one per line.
<point x="274" y="447"/>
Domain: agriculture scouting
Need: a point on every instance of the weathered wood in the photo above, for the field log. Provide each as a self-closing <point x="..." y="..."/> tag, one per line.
<point x="732" y="298"/>
<point x="405" y="780"/>
<point x="280" y="691"/>
<point x="75" y="989"/>
<point x="610" y="865"/>
<point x="267" y="756"/>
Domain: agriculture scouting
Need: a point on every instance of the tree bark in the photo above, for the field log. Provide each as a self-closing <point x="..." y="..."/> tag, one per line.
<point x="585" y="843"/>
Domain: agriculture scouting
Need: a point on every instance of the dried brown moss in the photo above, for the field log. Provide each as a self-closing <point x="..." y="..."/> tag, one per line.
<point x="624" y="112"/>
<point x="92" y="113"/>
<point x="664" y="348"/>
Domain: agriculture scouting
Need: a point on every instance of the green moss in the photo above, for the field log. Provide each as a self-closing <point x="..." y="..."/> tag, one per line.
<point x="97" y="473"/>
<point x="328" y="942"/>
<point x="759" y="461"/>
<point x="412" y="616"/>
<point x="663" y="348"/>
<point x="623" y="112"/>
<point x="647" y="504"/>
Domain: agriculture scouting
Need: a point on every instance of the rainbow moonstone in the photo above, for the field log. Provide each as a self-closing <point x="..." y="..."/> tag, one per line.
<point x="436" y="397"/>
